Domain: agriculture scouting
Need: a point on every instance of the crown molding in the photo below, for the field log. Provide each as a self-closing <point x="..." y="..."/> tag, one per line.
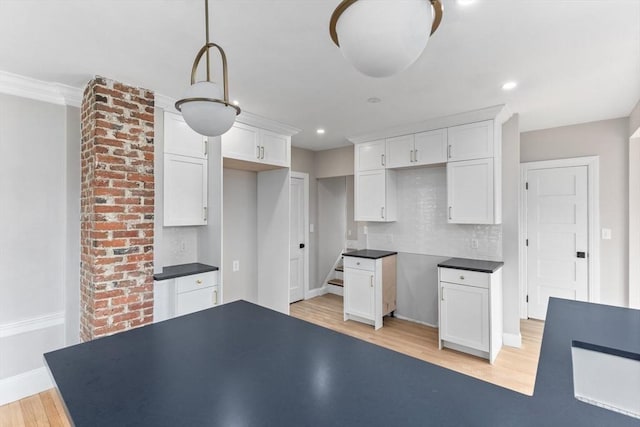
<point x="27" y="87"/>
<point x="168" y="104"/>
<point x="500" y="113"/>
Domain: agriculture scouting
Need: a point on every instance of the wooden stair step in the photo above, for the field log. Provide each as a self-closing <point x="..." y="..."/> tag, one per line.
<point x="340" y="268"/>
<point x="336" y="282"/>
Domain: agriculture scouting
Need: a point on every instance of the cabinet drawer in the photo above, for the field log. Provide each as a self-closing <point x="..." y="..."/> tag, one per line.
<point x="360" y="263"/>
<point x="465" y="277"/>
<point x="196" y="281"/>
<point x="201" y="299"/>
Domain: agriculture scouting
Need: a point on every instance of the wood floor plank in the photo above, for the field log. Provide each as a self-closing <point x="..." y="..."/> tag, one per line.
<point x="11" y="415"/>
<point x="33" y="412"/>
<point x="54" y="416"/>
<point x="514" y="368"/>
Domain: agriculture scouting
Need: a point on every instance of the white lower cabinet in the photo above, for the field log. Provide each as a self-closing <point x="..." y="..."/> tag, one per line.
<point x="184" y="295"/>
<point x="471" y="311"/>
<point x="369" y="289"/>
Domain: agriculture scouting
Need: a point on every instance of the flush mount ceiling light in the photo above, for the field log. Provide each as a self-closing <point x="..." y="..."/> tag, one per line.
<point x="383" y="37"/>
<point x="320" y="131"/>
<point x="509" y="86"/>
<point x="205" y="106"/>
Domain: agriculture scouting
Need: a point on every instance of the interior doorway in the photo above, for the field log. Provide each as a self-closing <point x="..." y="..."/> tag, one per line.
<point x="559" y="233"/>
<point x="299" y="236"/>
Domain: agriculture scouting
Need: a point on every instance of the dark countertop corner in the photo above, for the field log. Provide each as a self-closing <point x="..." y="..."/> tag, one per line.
<point x="369" y="253"/>
<point x="472" y="265"/>
<point x="173" y="271"/>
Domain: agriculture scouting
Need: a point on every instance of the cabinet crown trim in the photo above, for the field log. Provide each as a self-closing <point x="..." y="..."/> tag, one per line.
<point x="499" y="113"/>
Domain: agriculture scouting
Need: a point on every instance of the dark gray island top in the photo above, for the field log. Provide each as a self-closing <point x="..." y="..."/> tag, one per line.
<point x="241" y="364"/>
<point x="472" y="265"/>
<point x="369" y="253"/>
<point x="173" y="271"/>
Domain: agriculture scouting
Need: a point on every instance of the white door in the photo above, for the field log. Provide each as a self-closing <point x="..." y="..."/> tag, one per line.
<point x="557" y="233"/>
<point x="464" y="315"/>
<point x="359" y="295"/>
<point x="297" y="241"/>
<point x="400" y="151"/>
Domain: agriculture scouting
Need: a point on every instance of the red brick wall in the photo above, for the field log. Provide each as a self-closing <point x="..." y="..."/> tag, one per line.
<point x="117" y="199"/>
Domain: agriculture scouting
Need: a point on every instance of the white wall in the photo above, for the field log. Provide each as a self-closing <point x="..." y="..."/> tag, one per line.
<point x="332" y="225"/>
<point x="240" y="235"/>
<point x="36" y="254"/>
<point x="608" y="139"/>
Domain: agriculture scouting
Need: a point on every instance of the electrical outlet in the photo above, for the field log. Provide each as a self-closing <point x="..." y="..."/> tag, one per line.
<point x="474" y="243"/>
<point x="365" y="230"/>
<point x="236" y="265"/>
<point x="606" y="234"/>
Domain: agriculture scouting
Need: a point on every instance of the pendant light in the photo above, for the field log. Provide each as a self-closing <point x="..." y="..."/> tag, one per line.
<point x="380" y="38"/>
<point x="205" y="106"/>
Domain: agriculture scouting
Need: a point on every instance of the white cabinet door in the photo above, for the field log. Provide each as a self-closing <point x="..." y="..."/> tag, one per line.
<point x="370" y="195"/>
<point x="241" y="142"/>
<point x="400" y="152"/>
<point x="185" y="190"/>
<point x="470" y="192"/>
<point x="274" y="149"/>
<point x="464" y="315"/>
<point x="189" y="302"/>
<point x="359" y="293"/>
<point x="471" y="141"/>
<point x="430" y="147"/>
<point x="370" y="155"/>
<point x="179" y="138"/>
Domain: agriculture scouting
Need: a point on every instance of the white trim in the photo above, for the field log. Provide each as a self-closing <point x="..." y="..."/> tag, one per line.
<point x="25" y="384"/>
<point x="305" y="178"/>
<point x="335" y="290"/>
<point x="27" y="87"/>
<point x="165" y="102"/>
<point x="636" y="134"/>
<point x="593" y="207"/>
<point x="634" y="221"/>
<point x="499" y="113"/>
<point x="512" y="340"/>
<point x="316" y="292"/>
<point x="33" y="324"/>
<point x="401" y="317"/>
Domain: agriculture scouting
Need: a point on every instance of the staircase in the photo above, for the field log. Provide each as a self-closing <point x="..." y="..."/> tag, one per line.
<point x="335" y="284"/>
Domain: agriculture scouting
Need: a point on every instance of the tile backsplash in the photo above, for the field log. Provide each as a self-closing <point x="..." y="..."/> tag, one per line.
<point x="179" y="245"/>
<point x="422" y="226"/>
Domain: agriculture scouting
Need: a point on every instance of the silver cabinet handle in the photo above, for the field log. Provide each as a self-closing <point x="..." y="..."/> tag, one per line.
<point x="449" y="212"/>
<point x="382" y="212"/>
<point x="411" y="156"/>
<point x="461" y="277"/>
<point x="382" y="159"/>
<point x="262" y="152"/>
<point x="215" y="297"/>
<point x="449" y="151"/>
<point x="415" y="155"/>
<point x="204" y="209"/>
<point x="206" y="150"/>
<point x="258" y="152"/>
<point x="442" y="295"/>
<point x="371" y="277"/>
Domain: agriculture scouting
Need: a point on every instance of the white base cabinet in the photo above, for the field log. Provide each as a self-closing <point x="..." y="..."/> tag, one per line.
<point x="470" y="315"/>
<point x="185" y="295"/>
<point x="369" y="289"/>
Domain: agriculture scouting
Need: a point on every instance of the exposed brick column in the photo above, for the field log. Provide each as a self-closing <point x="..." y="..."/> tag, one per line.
<point x="117" y="198"/>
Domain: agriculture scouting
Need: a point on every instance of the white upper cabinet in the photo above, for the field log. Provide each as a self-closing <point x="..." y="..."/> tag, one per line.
<point x="471" y="141"/>
<point x="180" y="139"/>
<point x="185" y="190"/>
<point x="370" y="156"/>
<point x="470" y="192"/>
<point x="375" y="196"/>
<point x="425" y="148"/>
<point x="252" y="144"/>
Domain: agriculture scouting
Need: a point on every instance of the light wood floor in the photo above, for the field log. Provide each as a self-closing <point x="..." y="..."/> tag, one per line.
<point x="514" y="368"/>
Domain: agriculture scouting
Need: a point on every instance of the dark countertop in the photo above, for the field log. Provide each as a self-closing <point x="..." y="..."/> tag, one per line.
<point x="241" y="364"/>
<point x="369" y="253"/>
<point x="472" y="265"/>
<point x="173" y="271"/>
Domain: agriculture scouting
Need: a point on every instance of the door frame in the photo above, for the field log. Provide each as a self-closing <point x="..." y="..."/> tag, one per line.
<point x="305" y="178"/>
<point x="593" y="212"/>
<point x="634" y="222"/>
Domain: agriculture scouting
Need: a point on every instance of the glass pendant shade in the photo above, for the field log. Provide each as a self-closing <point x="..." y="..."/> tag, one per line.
<point x="208" y="118"/>
<point x="381" y="38"/>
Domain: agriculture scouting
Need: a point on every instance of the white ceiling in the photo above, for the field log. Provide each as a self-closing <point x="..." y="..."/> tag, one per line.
<point x="575" y="60"/>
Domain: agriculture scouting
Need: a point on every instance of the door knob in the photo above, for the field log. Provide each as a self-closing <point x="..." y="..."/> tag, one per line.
<point x="301" y="245"/>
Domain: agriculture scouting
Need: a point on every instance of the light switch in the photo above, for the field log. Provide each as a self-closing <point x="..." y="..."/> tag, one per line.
<point x="474" y="243"/>
<point x="310" y="228"/>
<point x="236" y="265"/>
<point x="606" y="234"/>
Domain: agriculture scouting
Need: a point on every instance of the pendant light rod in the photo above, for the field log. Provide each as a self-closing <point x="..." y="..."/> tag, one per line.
<point x="206" y="26"/>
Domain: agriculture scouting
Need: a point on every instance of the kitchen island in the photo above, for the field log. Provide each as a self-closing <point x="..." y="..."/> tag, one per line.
<point x="241" y="364"/>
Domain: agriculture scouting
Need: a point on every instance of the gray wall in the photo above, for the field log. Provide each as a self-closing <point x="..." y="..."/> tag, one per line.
<point x="335" y="162"/>
<point x="634" y="119"/>
<point x="240" y="197"/>
<point x="608" y="139"/>
<point x="34" y="254"/>
<point x="511" y="225"/>
<point x="332" y="224"/>
<point x="304" y="161"/>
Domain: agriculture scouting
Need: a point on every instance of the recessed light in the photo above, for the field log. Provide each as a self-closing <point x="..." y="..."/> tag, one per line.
<point x="466" y="2"/>
<point x="509" y="85"/>
<point x="235" y="102"/>
<point x="374" y="100"/>
<point x="320" y="131"/>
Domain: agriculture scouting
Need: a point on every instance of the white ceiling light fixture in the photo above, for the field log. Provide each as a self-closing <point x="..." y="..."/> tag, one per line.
<point x="320" y="131"/>
<point x="205" y="106"/>
<point x="380" y="38"/>
<point x="466" y="2"/>
<point x="509" y="85"/>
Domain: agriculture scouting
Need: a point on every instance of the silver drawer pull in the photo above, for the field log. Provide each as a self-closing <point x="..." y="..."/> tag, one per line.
<point x="199" y="282"/>
<point x="461" y="277"/>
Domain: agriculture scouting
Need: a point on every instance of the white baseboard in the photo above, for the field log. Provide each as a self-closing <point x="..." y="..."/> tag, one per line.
<point x="512" y="340"/>
<point x="312" y="293"/>
<point x="23" y="385"/>
<point x="401" y="317"/>
<point x="336" y="290"/>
